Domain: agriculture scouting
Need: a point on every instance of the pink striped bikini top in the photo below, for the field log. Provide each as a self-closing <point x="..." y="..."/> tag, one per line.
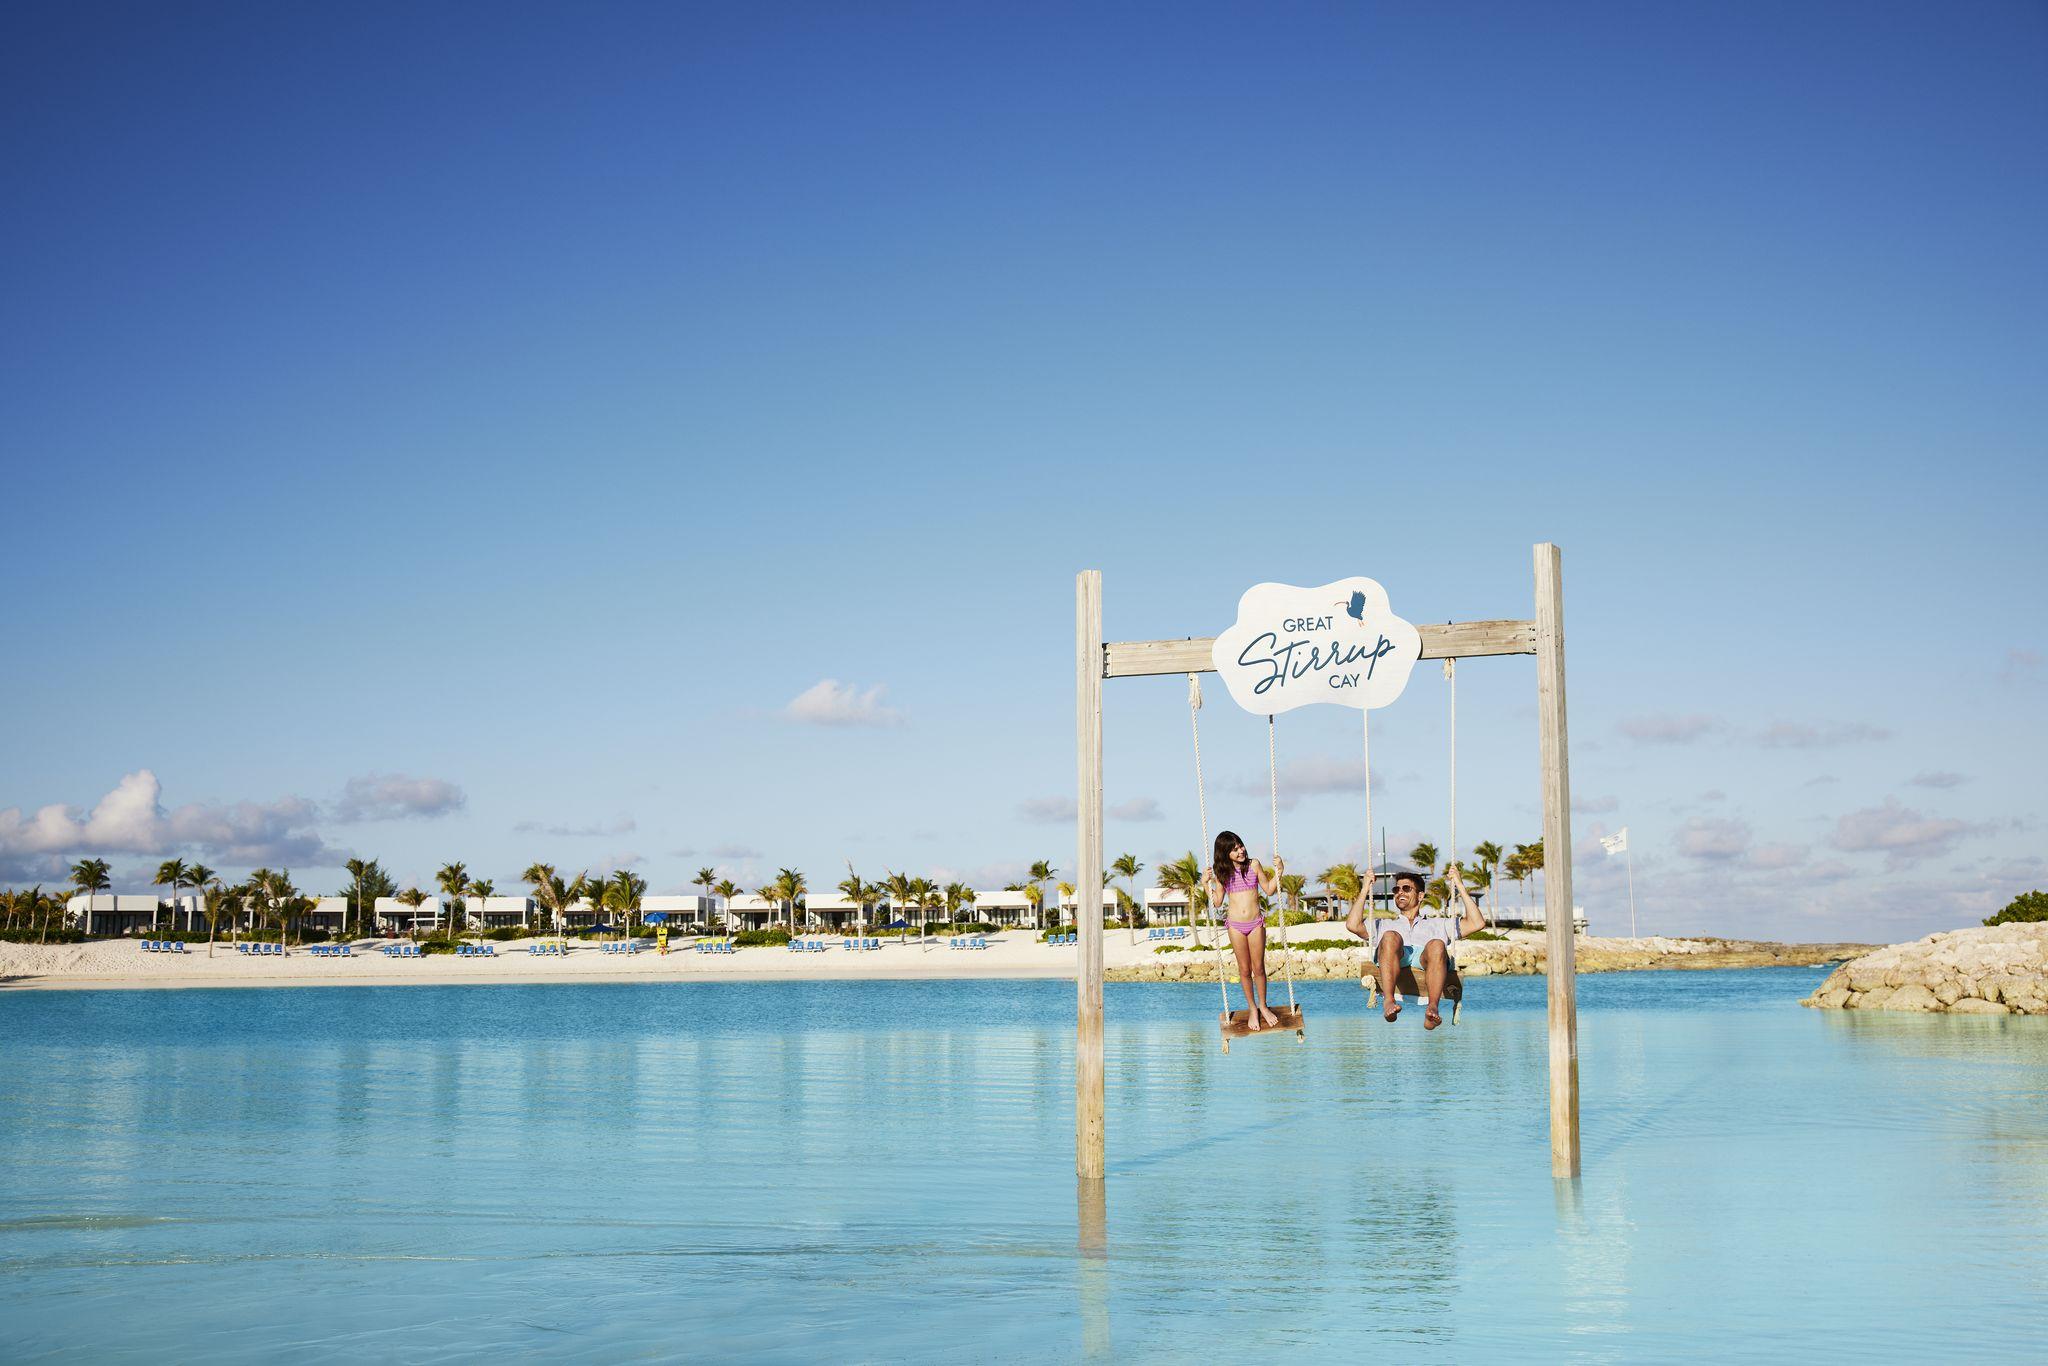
<point x="1241" y="880"/>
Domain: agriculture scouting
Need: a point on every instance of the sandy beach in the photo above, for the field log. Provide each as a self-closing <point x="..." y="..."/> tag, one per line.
<point x="122" y="964"/>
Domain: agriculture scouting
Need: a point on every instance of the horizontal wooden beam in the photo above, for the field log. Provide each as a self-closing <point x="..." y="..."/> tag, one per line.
<point x="1451" y="640"/>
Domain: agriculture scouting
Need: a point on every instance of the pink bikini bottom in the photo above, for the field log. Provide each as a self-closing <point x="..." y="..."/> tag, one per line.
<point x="1244" y="926"/>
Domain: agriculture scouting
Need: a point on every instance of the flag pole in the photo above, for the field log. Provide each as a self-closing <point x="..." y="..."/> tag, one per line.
<point x="1630" y="851"/>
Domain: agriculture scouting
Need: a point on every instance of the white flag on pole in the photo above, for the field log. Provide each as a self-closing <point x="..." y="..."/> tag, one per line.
<point x="1616" y="843"/>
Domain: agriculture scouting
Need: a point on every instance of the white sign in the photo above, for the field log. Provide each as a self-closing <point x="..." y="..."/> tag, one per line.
<point x="1293" y="647"/>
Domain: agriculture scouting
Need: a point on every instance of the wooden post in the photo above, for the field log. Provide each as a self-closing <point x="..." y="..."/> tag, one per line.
<point x="1561" y="969"/>
<point x="1088" y="875"/>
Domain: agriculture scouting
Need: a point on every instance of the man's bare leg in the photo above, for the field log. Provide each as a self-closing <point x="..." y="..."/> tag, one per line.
<point x="1435" y="965"/>
<point x="1390" y="968"/>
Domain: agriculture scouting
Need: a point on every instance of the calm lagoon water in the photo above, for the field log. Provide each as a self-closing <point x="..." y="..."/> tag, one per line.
<point x="858" y="1171"/>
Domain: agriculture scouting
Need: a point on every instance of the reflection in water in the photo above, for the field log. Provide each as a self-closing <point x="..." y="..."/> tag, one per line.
<point x="1092" y="1218"/>
<point x="881" y="1171"/>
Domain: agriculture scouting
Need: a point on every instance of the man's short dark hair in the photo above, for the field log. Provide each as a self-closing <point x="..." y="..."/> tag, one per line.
<point x="1415" y="878"/>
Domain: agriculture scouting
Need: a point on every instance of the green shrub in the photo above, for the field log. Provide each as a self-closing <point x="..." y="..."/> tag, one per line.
<point x="755" y="939"/>
<point x="1486" y="935"/>
<point x="2027" y="906"/>
<point x="53" y="935"/>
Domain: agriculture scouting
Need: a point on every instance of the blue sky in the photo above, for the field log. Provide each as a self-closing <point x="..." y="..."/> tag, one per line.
<point x="455" y="432"/>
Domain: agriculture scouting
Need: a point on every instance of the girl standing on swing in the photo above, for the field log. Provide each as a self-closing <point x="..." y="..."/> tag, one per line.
<point x="1234" y="883"/>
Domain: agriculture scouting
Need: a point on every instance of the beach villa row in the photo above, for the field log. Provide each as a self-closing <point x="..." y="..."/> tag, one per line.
<point x="828" y="912"/>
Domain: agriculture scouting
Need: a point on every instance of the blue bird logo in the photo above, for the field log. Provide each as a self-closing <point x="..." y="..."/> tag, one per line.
<point x="1355" y="608"/>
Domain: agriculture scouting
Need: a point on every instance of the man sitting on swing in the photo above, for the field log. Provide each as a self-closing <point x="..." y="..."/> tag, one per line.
<point x="1411" y="939"/>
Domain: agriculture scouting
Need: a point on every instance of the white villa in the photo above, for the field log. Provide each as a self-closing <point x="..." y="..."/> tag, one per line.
<point x="497" y="912"/>
<point x="681" y="912"/>
<point x="393" y="915"/>
<point x="835" y="913"/>
<point x="1011" y="910"/>
<point x="750" y="912"/>
<point x="109" y="913"/>
<point x="1165" y="906"/>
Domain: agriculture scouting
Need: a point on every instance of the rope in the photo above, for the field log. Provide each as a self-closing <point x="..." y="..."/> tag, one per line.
<point x="1273" y="789"/>
<point x="1451" y="673"/>
<point x="1371" y="873"/>
<point x="1200" y="889"/>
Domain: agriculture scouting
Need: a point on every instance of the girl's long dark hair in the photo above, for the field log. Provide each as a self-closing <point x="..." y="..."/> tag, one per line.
<point x="1225" y="865"/>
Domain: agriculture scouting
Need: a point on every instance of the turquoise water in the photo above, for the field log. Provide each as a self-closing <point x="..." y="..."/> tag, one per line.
<point x="881" y="1171"/>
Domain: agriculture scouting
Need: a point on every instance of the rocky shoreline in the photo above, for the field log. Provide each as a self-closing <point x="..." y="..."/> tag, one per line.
<point x="1521" y="953"/>
<point x="1989" y="970"/>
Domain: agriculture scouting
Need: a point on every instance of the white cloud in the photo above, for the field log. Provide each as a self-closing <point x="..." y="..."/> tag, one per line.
<point x="1137" y="809"/>
<point x="733" y="851"/>
<point x="1801" y="735"/>
<point x="1662" y="728"/>
<point x="1776" y="856"/>
<point x="1938" y="778"/>
<point x="828" y="702"/>
<point x="1048" y="810"/>
<point x="131" y="819"/>
<point x="624" y="825"/>
<point x="1902" y="834"/>
<point x="1704" y="837"/>
<point x="395" y="796"/>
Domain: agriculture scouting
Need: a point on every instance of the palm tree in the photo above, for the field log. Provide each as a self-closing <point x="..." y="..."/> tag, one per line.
<point x="1034" y="896"/>
<point x="1184" y="875"/>
<point x="583" y="888"/>
<point x="925" y="893"/>
<point x="414" y="898"/>
<point x="91" y="877"/>
<point x="1425" y="857"/>
<point x="221" y="900"/>
<point x="767" y="894"/>
<point x="1128" y="868"/>
<point x="367" y="882"/>
<point x="897" y="885"/>
<point x="453" y="880"/>
<point x="622" y="893"/>
<point x="255" y="891"/>
<point x="1488" y="853"/>
<point x="1342" y="881"/>
<point x="1066" y="891"/>
<point x="197" y="875"/>
<point x="726" y="890"/>
<point x="170" y="873"/>
<point x="955" y="896"/>
<point x="482" y="889"/>
<point x="1291" y="885"/>
<point x="1041" y="871"/>
<point x="789" y="886"/>
<point x="853" y="889"/>
<point x="541" y="877"/>
<point x="290" y="904"/>
<point x="213" y="895"/>
<point x="705" y="877"/>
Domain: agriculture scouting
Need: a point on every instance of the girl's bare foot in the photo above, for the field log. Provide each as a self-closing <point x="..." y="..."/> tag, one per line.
<point x="1268" y="1016"/>
<point x="1251" y="1021"/>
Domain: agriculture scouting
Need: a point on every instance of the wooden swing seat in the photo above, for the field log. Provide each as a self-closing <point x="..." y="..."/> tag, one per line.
<point x="1408" y="986"/>
<point x="1237" y="1025"/>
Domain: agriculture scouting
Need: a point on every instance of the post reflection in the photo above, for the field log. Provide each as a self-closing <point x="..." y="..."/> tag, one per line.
<point x="1091" y="1209"/>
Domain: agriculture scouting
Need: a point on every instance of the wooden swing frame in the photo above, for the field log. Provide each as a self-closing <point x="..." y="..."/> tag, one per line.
<point x="1542" y="636"/>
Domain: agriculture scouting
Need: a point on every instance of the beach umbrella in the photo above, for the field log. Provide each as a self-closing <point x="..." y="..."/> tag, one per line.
<point x="655" y="918"/>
